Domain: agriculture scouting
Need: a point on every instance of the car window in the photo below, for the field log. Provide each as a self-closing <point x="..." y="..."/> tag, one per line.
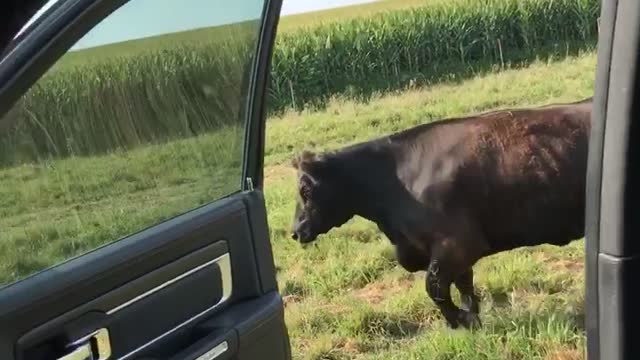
<point x="143" y="119"/>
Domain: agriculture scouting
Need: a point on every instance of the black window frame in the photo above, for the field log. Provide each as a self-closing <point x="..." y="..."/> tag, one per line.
<point x="59" y="28"/>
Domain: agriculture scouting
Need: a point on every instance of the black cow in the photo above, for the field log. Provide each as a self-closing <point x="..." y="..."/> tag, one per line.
<point x="449" y="193"/>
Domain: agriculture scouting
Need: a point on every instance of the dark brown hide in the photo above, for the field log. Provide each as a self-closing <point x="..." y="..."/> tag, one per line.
<point x="448" y="193"/>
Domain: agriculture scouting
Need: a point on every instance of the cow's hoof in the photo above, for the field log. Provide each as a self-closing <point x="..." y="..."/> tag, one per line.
<point x="308" y="245"/>
<point x="452" y="321"/>
<point x="469" y="320"/>
<point x="452" y="324"/>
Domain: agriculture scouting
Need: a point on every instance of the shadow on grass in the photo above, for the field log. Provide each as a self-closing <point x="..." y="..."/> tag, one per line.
<point x="500" y="299"/>
<point x="391" y="326"/>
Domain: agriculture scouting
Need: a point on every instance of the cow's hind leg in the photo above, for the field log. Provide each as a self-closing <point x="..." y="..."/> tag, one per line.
<point x="439" y="282"/>
<point x="470" y="301"/>
<point x="464" y="283"/>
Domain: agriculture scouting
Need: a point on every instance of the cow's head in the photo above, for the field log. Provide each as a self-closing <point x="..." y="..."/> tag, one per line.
<point x="322" y="198"/>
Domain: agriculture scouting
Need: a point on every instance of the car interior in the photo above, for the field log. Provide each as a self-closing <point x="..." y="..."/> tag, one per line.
<point x="124" y="294"/>
<point x="125" y="300"/>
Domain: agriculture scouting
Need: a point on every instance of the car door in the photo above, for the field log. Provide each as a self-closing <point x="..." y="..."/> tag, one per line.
<point x="612" y="246"/>
<point x="132" y="219"/>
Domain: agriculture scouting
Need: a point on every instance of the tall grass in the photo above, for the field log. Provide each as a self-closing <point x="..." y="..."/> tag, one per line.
<point x="394" y="48"/>
<point x="167" y="91"/>
<point x="125" y="102"/>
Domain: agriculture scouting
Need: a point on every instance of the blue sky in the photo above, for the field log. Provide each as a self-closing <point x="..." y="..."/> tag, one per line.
<point x="172" y="15"/>
<point x="299" y="6"/>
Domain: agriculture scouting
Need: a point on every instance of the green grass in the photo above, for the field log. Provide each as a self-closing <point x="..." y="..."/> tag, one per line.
<point x="54" y="210"/>
<point x="346" y="298"/>
<point x="150" y="91"/>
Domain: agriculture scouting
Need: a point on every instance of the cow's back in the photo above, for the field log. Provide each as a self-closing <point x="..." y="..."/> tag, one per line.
<point x="524" y="175"/>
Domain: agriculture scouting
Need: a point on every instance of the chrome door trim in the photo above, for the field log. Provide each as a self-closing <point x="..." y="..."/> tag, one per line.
<point x="215" y="352"/>
<point x="223" y="262"/>
<point x="225" y="273"/>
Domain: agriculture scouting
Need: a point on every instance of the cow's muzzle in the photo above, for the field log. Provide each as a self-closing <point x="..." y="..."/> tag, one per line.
<point x="302" y="232"/>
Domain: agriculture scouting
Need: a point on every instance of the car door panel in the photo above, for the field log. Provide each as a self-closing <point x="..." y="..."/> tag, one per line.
<point x="153" y="298"/>
<point x="148" y="307"/>
<point x="612" y="262"/>
<point x="200" y="285"/>
<point x="249" y="333"/>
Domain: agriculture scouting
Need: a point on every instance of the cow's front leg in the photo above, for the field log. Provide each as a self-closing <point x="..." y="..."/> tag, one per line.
<point x="411" y="259"/>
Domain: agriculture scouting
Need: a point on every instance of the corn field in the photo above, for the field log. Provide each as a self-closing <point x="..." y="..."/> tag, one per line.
<point x="396" y="47"/>
<point x="189" y="89"/>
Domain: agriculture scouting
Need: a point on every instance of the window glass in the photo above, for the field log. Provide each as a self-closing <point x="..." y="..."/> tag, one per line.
<point x="142" y="120"/>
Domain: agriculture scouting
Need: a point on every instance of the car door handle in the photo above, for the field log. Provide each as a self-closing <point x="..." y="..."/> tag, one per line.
<point x="215" y="353"/>
<point x="95" y="346"/>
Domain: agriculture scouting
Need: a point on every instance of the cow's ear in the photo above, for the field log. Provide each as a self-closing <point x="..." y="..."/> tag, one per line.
<point x="305" y="156"/>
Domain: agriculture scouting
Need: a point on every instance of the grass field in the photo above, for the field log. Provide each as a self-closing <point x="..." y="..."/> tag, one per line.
<point x="345" y="298"/>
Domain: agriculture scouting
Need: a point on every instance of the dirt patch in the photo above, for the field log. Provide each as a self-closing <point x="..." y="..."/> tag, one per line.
<point x="290" y="299"/>
<point x="278" y="172"/>
<point x="565" y="354"/>
<point x="377" y="292"/>
<point x="568" y="265"/>
<point x="557" y="264"/>
<point x="351" y="346"/>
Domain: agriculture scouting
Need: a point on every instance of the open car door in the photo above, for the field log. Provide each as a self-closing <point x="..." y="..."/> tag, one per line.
<point x="613" y="207"/>
<point x="133" y="224"/>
